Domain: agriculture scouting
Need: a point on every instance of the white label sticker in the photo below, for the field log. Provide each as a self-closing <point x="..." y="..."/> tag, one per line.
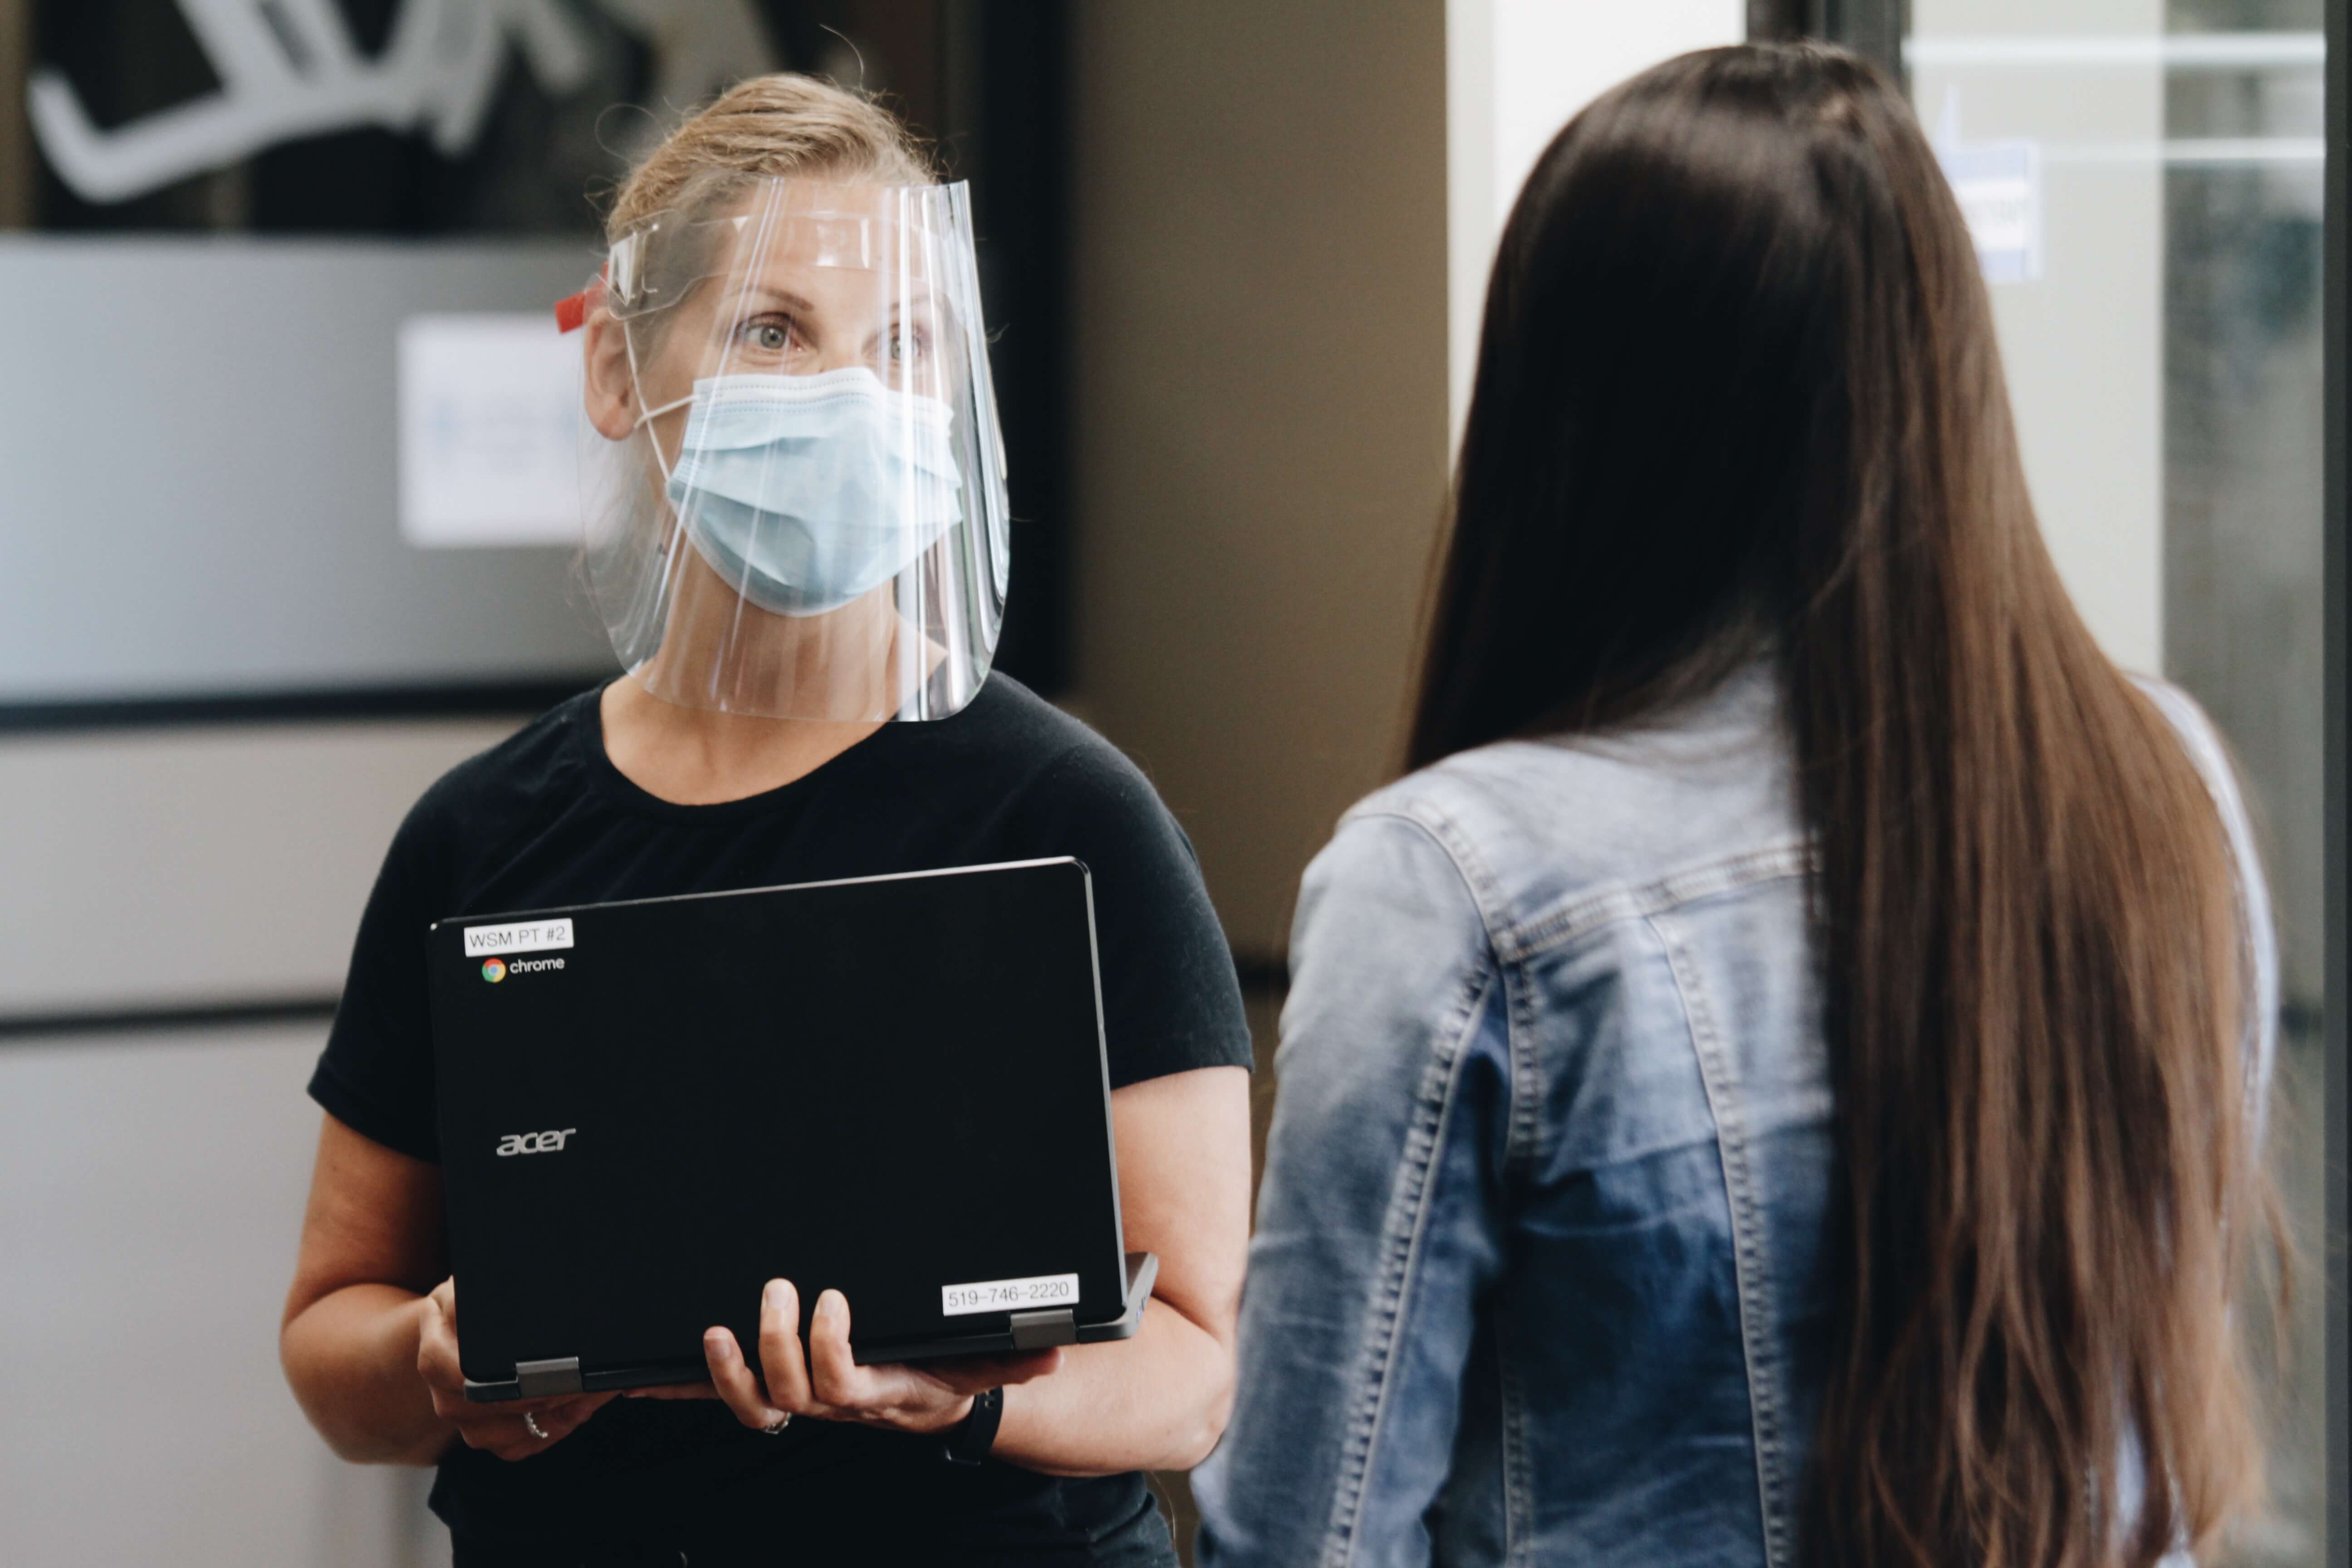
<point x="524" y="936"/>
<point x="1030" y="1295"/>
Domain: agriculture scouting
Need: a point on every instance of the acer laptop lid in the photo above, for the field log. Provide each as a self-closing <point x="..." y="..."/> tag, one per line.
<point x="894" y="1086"/>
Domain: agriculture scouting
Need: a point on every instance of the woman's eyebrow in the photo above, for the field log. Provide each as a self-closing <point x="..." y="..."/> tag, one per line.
<point x="783" y="297"/>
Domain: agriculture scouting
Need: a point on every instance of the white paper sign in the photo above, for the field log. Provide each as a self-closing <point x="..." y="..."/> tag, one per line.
<point x="1999" y="184"/>
<point x="489" y="431"/>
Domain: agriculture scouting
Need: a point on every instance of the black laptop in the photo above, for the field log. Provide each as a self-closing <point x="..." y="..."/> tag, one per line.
<point x="893" y="1087"/>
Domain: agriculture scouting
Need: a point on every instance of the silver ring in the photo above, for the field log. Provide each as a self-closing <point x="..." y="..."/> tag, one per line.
<point x="773" y="1427"/>
<point x="530" y="1420"/>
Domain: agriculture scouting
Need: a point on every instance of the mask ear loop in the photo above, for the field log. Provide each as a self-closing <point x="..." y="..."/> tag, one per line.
<point x="637" y="384"/>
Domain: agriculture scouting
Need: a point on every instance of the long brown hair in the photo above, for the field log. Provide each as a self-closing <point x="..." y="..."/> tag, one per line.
<point x="1737" y="396"/>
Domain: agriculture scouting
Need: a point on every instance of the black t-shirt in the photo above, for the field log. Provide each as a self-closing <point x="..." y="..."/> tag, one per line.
<point x="545" y="820"/>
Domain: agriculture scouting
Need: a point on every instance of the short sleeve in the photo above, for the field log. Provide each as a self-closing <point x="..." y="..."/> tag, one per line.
<point x="1170" y="1001"/>
<point x="376" y="1074"/>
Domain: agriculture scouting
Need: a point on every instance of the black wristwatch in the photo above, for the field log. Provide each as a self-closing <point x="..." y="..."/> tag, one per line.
<point x="969" y="1440"/>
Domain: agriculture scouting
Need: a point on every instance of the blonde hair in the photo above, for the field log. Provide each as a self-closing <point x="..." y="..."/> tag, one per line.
<point x="767" y="126"/>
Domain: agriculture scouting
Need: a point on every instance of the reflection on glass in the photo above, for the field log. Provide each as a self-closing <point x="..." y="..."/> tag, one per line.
<point x="2143" y="181"/>
<point x="2243" y="613"/>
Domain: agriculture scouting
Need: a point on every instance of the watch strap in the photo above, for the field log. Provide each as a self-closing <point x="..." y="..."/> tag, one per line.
<point x="969" y="1440"/>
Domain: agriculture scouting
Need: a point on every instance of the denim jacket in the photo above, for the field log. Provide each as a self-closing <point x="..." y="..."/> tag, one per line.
<point x="1539" y="1274"/>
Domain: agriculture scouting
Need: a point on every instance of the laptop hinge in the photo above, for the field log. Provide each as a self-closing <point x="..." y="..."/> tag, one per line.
<point x="1041" y="1330"/>
<point x="545" y="1379"/>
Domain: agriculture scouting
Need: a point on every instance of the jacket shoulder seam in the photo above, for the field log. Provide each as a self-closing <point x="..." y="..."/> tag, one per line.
<point x="1524" y="1127"/>
<point x="1485" y="892"/>
<point x="1779" y="859"/>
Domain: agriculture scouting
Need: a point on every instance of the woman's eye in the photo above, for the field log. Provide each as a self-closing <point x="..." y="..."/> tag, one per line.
<point x="905" y="346"/>
<point x="775" y="338"/>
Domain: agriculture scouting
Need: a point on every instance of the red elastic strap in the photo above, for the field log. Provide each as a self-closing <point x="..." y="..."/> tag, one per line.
<point x="571" y="311"/>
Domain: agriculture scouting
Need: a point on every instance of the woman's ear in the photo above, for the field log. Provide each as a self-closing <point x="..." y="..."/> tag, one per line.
<point x="609" y="390"/>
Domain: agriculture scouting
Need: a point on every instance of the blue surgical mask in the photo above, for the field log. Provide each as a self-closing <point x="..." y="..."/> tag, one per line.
<point x="807" y="492"/>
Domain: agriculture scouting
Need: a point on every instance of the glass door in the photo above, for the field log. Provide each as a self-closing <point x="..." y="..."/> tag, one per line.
<point x="2143" y="180"/>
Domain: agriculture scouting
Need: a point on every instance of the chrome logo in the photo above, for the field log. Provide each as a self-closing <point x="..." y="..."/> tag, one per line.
<point x="494" y="970"/>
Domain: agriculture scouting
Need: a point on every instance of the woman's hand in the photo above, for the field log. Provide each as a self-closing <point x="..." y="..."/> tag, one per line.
<point x="824" y="1382"/>
<point x="511" y="1429"/>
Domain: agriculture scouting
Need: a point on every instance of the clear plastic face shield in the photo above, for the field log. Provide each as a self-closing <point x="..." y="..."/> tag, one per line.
<point x="796" y="483"/>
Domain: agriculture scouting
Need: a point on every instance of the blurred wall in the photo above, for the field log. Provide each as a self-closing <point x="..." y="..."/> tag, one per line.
<point x="152" y="1180"/>
<point x="150" y="1188"/>
<point x="1261" y="378"/>
<point x="1284" y="219"/>
<point x="1518" y="71"/>
<point x="2082" y="344"/>
<point x="200" y="866"/>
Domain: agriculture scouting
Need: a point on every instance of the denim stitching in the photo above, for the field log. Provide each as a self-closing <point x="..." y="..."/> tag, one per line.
<point x="1622" y="901"/>
<point x="1519" y="1480"/>
<point x="1521" y="1149"/>
<point x="1758" y="1311"/>
<point x="1520" y="1152"/>
<point x="1400" y="1237"/>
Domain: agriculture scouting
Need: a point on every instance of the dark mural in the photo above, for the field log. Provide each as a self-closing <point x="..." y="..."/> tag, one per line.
<point x="410" y="117"/>
<point x="448" y="119"/>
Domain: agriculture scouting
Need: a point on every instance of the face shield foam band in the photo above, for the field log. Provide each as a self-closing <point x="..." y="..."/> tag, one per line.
<point x="825" y="534"/>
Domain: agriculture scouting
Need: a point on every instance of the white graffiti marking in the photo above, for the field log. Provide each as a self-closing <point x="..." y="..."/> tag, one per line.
<point x="290" y="69"/>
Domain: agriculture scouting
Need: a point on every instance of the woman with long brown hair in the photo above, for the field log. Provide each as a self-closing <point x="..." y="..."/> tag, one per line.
<point x="1780" y="1082"/>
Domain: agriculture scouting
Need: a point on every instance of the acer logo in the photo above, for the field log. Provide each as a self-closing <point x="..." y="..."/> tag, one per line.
<point x="534" y="1143"/>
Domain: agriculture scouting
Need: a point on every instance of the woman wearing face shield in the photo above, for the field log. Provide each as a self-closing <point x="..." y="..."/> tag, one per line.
<point x="799" y="544"/>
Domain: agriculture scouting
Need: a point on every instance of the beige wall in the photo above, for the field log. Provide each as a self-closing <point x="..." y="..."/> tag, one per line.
<point x="174" y="867"/>
<point x="152" y="1182"/>
<point x="151" y="1189"/>
<point x="1261" y="394"/>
